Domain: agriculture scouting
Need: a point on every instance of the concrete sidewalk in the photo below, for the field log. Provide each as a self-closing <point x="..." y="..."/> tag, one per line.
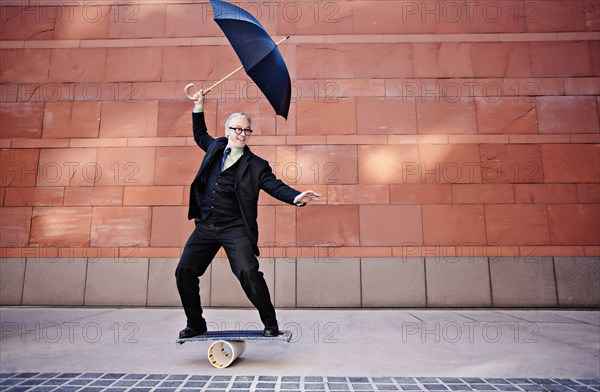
<point x="343" y="344"/>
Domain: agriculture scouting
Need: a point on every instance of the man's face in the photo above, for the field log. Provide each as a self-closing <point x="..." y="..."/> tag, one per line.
<point x="233" y="139"/>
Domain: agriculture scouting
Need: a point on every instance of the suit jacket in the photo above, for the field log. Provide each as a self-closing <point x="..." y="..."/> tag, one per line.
<point x="254" y="174"/>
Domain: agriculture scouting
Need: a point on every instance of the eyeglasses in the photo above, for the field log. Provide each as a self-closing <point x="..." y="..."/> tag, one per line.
<point x="239" y="131"/>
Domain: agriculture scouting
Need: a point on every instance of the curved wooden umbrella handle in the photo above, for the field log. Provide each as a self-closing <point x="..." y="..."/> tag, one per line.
<point x="190" y="96"/>
<point x="186" y="91"/>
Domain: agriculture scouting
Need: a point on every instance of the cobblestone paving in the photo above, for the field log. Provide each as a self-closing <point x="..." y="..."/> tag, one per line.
<point x="124" y="382"/>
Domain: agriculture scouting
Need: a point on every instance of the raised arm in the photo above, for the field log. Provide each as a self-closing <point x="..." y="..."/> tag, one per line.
<point x="201" y="136"/>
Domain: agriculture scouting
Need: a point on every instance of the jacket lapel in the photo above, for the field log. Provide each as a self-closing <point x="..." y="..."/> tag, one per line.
<point x="244" y="161"/>
<point x="210" y="154"/>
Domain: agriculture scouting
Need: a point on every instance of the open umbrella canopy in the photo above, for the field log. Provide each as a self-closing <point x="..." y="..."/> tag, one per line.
<point x="258" y="53"/>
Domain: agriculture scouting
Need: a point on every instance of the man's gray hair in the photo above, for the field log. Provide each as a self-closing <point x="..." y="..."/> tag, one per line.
<point x="233" y="116"/>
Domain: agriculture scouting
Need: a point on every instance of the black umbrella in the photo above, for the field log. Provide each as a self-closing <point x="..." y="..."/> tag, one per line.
<point x="258" y="53"/>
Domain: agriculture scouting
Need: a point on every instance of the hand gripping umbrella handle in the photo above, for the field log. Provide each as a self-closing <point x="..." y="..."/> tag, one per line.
<point x="187" y="88"/>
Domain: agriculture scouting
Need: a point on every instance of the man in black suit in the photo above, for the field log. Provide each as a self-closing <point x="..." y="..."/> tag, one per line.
<point x="224" y="206"/>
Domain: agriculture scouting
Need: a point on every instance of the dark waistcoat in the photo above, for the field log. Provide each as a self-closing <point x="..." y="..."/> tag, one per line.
<point x="216" y="197"/>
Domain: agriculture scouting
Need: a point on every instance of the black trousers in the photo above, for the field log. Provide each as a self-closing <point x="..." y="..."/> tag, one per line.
<point x="198" y="253"/>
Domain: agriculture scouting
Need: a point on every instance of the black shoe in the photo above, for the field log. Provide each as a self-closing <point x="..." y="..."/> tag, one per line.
<point x="190" y="332"/>
<point x="271" y="331"/>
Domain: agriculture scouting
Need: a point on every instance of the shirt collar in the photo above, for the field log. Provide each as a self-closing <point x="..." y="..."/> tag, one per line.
<point x="236" y="151"/>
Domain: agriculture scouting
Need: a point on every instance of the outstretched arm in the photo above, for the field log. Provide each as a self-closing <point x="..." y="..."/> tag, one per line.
<point x="305" y="197"/>
<point x="281" y="191"/>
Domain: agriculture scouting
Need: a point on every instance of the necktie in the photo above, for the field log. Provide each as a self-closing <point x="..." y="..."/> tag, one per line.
<point x="225" y="154"/>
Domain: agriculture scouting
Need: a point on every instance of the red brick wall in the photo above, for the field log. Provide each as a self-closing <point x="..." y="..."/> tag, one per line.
<point x="429" y="127"/>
